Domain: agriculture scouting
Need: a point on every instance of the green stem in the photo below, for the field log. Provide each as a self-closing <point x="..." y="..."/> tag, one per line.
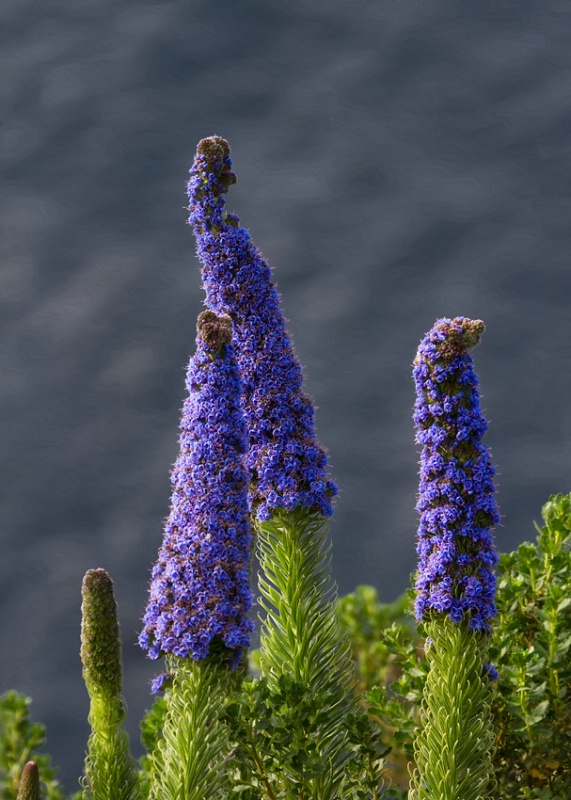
<point x="109" y="766"/>
<point x="453" y="747"/>
<point x="302" y="640"/>
<point x="190" y="761"/>
<point x="261" y="771"/>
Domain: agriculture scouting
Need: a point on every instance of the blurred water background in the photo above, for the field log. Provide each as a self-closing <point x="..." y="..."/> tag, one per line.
<point x="397" y="162"/>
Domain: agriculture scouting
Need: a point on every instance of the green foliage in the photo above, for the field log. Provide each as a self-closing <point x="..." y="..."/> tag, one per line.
<point x="189" y="760"/>
<point x="531" y="649"/>
<point x="305" y="658"/>
<point x="299" y="731"/>
<point x="393" y="670"/>
<point x="152" y="726"/>
<point x="366" y="622"/>
<point x="309" y="728"/>
<point x="20" y="741"/>
<point x="388" y="651"/>
<point x="275" y="755"/>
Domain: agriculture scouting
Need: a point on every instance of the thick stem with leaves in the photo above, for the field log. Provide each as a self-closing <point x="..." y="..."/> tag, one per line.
<point x="453" y="751"/>
<point x="304" y="655"/>
<point x="190" y="760"/>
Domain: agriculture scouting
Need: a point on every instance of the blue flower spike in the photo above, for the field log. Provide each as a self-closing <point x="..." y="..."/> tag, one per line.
<point x="287" y="467"/>
<point x="197" y="614"/>
<point x="455" y="582"/>
<point x="290" y="492"/>
<point x="456" y="495"/>
<point x="200" y="595"/>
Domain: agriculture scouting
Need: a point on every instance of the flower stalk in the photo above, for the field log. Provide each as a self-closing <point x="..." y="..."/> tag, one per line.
<point x="199" y="596"/>
<point x="302" y="643"/>
<point x="303" y="652"/>
<point x="190" y="761"/>
<point x="287" y="467"/>
<point x="455" y="581"/>
<point x="109" y="766"/>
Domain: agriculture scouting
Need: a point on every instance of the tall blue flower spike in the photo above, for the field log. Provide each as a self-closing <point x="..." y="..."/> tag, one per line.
<point x="200" y="584"/>
<point x="290" y="493"/>
<point x="456" y="496"/>
<point x="455" y="581"/>
<point x="286" y="464"/>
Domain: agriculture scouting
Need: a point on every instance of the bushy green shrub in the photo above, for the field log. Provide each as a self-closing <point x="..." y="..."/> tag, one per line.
<point x="20" y="741"/>
<point x="530" y="649"/>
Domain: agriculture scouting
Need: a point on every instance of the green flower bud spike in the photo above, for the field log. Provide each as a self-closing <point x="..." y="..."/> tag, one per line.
<point x="29" y="788"/>
<point x="109" y="766"/>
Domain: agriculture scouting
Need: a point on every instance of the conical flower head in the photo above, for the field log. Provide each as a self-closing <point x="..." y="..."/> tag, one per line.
<point x="100" y="638"/>
<point x="287" y="467"/>
<point x="29" y="788"/>
<point x="456" y="495"/>
<point x="200" y="595"/>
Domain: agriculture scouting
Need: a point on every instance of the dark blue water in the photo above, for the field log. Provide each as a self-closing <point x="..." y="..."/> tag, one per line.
<point x="397" y="162"/>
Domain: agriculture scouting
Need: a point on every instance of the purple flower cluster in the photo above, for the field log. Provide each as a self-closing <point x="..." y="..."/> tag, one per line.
<point x="200" y="592"/>
<point x="456" y="496"/>
<point x="286" y="465"/>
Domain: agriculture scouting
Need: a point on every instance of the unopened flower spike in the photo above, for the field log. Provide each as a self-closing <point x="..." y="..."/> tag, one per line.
<point x="109" y="766"/>
<point x="200" y="590"/>
<point x="100" y="640"/>
<point x="29" y="788"/>
<point x="456" y="495"/>
<point x="286" y="464"/>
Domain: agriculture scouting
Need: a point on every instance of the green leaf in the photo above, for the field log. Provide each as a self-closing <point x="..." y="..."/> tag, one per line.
<point x="20" y="741"/>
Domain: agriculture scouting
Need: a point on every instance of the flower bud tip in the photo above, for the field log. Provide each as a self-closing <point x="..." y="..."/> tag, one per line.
<point x="213" y="154"/>
<point x="214" y="330"/>
<point x="29" y="788"/>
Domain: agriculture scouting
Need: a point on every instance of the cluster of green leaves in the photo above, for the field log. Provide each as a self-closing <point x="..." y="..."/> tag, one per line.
<point x="389" y="655"/>
<point x="530" y="647"/>
<point x="272" y="753"/>
<point x="151" y="734"/>
<point x="305" y="656"/>
<point x="21" y="741"/>
<point x="189" y="759"/>
<point x="278" y="757"/>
